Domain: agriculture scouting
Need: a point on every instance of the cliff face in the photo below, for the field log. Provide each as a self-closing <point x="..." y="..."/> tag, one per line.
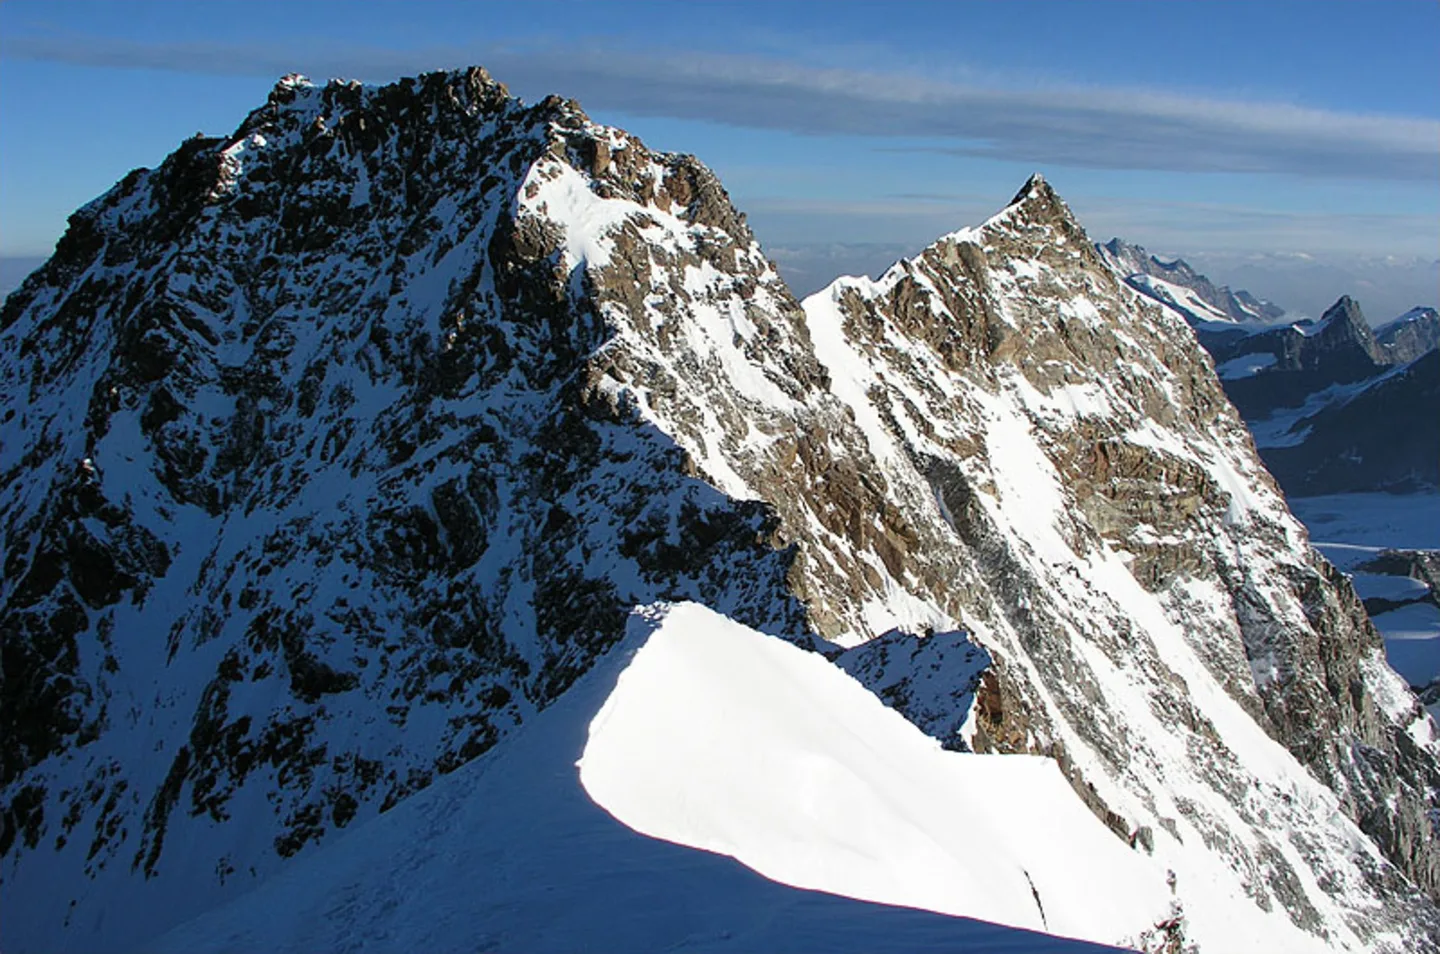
<point x="336" y="449"/>
<point x="1415" y="333"/>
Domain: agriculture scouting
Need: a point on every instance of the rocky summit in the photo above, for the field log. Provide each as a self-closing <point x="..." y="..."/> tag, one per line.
<point x="337" y="449"/>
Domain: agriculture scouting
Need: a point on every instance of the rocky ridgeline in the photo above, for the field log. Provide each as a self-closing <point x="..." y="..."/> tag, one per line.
<point x="1335" y="405"/>
<point x="1063" y="425"/>
<point x="1413" y="334"/>
<point x="1132" y="262"/>
<point x="336" y="449"/>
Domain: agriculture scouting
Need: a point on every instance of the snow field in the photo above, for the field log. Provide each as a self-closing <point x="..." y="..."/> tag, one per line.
<point x="724" y="739"/>
<point x="509" y="853"/>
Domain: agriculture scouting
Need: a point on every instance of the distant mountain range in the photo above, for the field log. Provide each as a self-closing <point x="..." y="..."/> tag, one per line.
<point x="1180" y="287"/>
<point x="1334" y="405"/>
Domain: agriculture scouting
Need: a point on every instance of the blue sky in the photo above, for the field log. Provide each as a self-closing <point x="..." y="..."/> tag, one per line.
<point x="1228" y="132"/>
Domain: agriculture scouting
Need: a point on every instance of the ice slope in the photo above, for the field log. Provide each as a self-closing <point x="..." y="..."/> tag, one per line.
<point x="510" y="854"/>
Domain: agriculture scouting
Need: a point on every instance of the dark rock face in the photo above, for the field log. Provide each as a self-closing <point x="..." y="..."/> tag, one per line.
<point x="1383" y="438"/>
<point x="1411" y="335"/>
<point x="337" y="448"/>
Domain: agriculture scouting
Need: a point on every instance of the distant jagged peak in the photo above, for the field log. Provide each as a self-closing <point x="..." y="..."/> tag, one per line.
<point x="1139" y="259"/>
<point x="1345" y="313"/>
<point x="1171" y="282"/>
<point x="1411" y="335"/>
<point x="1418" y="314"/>
<point x="1344" y="309"/>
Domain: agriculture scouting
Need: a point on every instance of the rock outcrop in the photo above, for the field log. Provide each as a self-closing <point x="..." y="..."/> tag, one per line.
<point x="1410" y="336"/>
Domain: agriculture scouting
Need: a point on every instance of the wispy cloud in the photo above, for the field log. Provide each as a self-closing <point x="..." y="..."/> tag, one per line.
<point x="1192" y="227"/>
<point x="1076" y="126"/>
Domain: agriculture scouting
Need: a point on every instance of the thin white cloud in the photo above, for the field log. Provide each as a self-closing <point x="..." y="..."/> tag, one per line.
<point x="1091" y="127"/>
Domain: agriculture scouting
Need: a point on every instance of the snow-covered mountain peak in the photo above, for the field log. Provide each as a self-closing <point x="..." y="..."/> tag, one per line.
<point x="1174" y="284"/>
<point x="1006" y="377"/>
<point x="339" y="449"/>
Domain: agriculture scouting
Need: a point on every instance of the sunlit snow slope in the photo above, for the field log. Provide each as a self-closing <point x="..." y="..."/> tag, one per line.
<point x="725" y="739"/>
<point x="510" y="854"/>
